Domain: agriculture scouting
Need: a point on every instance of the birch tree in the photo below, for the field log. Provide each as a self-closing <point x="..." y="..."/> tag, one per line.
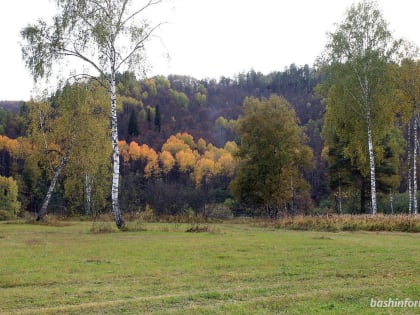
<point x="357" y="55"/>
<point x="108" y="36"/>
<point x="89" y="169"/>
<point x="408" y="83"/>
<point x="54" y="130"/>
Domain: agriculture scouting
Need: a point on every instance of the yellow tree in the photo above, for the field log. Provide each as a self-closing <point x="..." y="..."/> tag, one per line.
<point x="89" y="168"/>
<point x="167" y="160"/>
<point x="57" y="129"/>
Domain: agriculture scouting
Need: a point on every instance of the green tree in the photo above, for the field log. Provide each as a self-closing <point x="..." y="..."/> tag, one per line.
<point x="158" y="118"/>
<point x="8" y="196"/>
<point x="359" y="105"/>
<point x="181" y="99"/>
<point x="273" y="156"/>
<point x="133" y="128"/>
<point x="105" y="35"/>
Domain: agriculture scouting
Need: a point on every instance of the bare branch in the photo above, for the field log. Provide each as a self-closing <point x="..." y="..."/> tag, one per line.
<point x="138" y="45"/>
<point x="80" y="76"/>
<point x="121" y="15"/>
<point x="101" y="7"/>
<point x="75" y="53"/>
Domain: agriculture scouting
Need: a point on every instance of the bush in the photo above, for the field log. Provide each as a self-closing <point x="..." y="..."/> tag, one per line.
<point x="148" y="214"/>
<point x="8" y="196"/>
<point x="5" y="215"/>
<point x="102" y="227"/>
<point x="218" y="211"/>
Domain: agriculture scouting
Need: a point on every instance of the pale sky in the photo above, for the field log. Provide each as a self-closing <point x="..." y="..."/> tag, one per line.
<point x="213" y="38"/>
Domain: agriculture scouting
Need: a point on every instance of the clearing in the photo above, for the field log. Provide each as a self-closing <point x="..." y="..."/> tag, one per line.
<point x="228" y="269"/>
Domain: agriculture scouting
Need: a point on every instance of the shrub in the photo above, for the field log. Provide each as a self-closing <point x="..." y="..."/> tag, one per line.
<point x="8" y="196"/>
<point x="148" y="214"/>
<point x="5" y="215"/>
<point x="218" y="211"/>
<point x="102" y="227"/>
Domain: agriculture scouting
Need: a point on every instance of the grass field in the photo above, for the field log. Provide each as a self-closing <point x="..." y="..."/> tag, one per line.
<point x="229" y="269"/>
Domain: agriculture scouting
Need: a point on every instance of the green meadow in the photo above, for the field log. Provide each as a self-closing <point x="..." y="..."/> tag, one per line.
<point x="227" y="268"/>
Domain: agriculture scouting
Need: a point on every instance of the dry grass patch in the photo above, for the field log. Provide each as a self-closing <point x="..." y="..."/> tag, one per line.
<point x="336" y="223"/>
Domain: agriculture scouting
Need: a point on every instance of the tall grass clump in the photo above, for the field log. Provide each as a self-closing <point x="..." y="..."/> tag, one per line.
<point x="335" y="223"/>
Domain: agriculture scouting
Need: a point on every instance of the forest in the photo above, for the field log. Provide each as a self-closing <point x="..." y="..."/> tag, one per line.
<point x="340" y="136"/>
<point x="177" y="142"/>
<point x="179" y="148"/>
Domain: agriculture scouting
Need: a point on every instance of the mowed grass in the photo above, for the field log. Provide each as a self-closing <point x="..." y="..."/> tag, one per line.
<point x="229" y="269"/>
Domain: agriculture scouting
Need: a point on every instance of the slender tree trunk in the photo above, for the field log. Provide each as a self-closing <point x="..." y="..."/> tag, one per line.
<point x="292" y="201"/>
<point x="410" y="187"/>
<point x="362" y="195"/>
<point x="88" y="187"/>
<point x="372" y="166"/>
<point x="415" y="165"/>
<point x="340" y="200"/>
<point x="116" y="156"/>
<point x="391" y="202"/>
<point x="63" y="161"/>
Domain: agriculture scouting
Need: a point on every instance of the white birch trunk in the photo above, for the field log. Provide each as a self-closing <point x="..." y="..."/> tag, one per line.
<point x="391" y="202"/>
<point x="372" y="166"/>
<point x="415" y="165"/>
<point x="115" y="155"/>
<point x="63" y="161"/>
<point x="88" y="187"/>
<point x="292" y="190"/>
<point x="409" y="184"/>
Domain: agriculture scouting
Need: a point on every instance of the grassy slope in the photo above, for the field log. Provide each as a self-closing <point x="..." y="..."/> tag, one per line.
<point x="236" y="269"/>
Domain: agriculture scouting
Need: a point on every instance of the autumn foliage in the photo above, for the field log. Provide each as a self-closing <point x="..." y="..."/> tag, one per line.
<point x="199" y="160"/>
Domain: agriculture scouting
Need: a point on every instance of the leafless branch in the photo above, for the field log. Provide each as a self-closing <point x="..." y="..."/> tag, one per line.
<point x="149" y="4"/>
<point x="138" y="45"/>
<point x="79" y="76"/>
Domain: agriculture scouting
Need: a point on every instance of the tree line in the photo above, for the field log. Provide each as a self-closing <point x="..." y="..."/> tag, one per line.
<point x="341" y="136"/>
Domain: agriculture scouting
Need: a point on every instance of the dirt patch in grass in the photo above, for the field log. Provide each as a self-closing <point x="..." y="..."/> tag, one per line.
<point x="200" y="229"/>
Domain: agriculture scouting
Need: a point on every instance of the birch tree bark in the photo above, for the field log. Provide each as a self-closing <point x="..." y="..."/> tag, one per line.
<point x="116" y="157"/>
<point x="409" y="173"/>
<point x="88" y="187"/>
<point x="415" y="150"/>
<point x="372" y="167"/>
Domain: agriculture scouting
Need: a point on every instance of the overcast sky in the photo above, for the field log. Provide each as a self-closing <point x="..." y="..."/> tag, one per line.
<point x="213" y="38"/>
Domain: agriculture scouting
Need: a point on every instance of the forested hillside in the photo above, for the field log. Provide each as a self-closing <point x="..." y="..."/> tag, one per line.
<point x="159" y="107"/>
<point x="153" y="110"/>
<point x="179" y="144"/>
